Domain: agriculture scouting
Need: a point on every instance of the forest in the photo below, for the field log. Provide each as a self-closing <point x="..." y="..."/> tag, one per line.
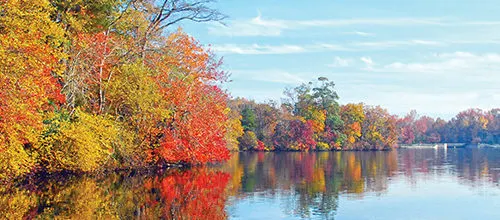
<point x="310" y="118"/>
<point x="87" y="86"/>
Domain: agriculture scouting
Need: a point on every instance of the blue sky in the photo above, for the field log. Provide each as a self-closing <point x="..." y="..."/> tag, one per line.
<point x="435" y="56"/>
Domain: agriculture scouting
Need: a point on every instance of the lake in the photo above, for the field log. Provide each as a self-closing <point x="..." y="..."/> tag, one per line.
<point x="400" y="184"/>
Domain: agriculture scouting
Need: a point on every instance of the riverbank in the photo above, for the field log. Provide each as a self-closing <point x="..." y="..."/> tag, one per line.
<point x="36" y="176"/>
<point x="449" y="145"/>
<point x="480" y="145"/>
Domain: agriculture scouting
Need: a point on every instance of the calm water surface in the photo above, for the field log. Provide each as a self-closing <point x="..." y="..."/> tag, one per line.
<point x="402" y="184"/>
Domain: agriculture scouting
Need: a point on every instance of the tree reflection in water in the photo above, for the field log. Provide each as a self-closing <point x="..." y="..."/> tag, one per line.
<point x="306" y="185"/>
<point x="197" y="193"/>
<point x="311" y="181"/>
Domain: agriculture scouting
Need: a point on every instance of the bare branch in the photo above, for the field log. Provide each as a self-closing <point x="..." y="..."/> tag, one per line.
<point x="127" y="6"/>
<point x="170" y="12"/>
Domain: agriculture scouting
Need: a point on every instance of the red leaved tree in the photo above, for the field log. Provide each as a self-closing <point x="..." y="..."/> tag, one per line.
<point x="189" y="80"/>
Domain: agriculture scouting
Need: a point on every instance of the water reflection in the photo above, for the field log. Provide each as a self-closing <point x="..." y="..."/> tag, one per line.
<point x="310" y="185"/>
<point x="311" y="181"/>
<point x="469" y="166"/>
<point x="281" y="185"/>
<point x="192" y="194"/>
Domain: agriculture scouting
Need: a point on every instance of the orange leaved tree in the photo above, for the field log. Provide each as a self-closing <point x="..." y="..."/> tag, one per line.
<point x="189" y="80"/>
<point x="28" y="79"/>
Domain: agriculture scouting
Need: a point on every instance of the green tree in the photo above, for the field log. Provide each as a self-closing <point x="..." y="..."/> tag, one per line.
<point x="317" y="102"/>
<point x="248" y="120"/>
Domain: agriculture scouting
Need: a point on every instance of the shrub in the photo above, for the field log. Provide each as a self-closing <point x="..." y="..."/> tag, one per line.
<point x="322" y="146"/>
<point x="248" y="141"/>
<point x="260" y="146"/>
<point x="82" y="142"/>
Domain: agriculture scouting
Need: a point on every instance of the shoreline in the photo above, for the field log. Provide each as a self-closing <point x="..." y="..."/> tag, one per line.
<point x="40" y="176"/>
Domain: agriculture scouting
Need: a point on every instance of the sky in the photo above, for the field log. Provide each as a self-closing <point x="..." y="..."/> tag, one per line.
<point x="438" y="57"/>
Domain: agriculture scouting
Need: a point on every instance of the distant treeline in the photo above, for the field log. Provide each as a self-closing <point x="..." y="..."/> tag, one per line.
<point x="470" y="126"/>
<point x="310" y="118"/>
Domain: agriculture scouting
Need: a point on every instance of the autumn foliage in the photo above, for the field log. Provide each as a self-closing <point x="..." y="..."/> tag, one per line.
<point x="29" y="65"/>
<point x="312" y="119"/>
<point x="93" y="85"/>
<point x="294" y="135"/>
<point x="472" y="126"/>
<point x="188" y="79"/>
<point x="194" y="194"/>
<point x="96" y="85"/>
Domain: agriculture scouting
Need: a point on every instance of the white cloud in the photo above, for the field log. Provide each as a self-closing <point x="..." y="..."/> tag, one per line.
<point x="439" y="85"/>
<point x="329" y="47"/>
<point x="341" y="62"/>
<point x="361" y="33"/>
<point x="367" y="21"/>
<point x="391" y="44"/>
<point x="321" y="47"/>
<point x="237" y="29"/>
<point x="480" y="23"/>
<point x="259" y="95"/>
<point x="257" y="49"/>
<point x="458" y="54"/>
<point x="259" y="26"/>
<point x="425" y="42"/>
<point x="445" y="104"/>
<point x="367" y="60"/>
<point x="283" y="24"/>
<point x="272" y="75"/>
<point x="369" y="64"/>
<point x="429" y="100"/>
<point x="476" y="65"/>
